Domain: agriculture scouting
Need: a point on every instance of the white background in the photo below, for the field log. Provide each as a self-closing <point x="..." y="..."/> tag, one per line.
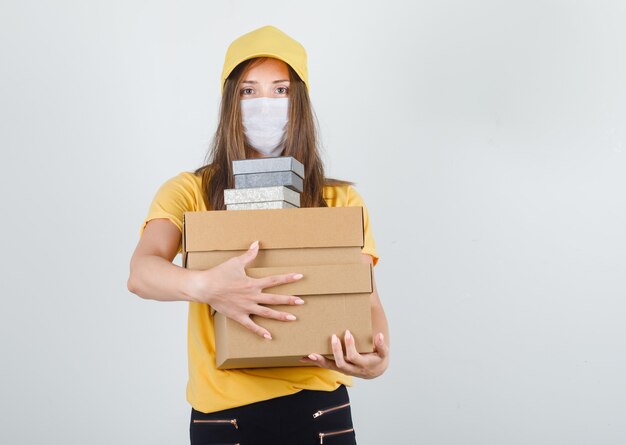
<point x="486" y="137"/>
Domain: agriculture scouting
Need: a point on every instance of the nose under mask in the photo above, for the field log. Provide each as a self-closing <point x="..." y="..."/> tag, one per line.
<point x="265" y="123"/>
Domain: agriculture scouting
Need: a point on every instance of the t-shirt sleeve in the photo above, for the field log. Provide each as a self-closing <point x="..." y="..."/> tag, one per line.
<point x="175" y="197"/>
<point x="369" y="245"/>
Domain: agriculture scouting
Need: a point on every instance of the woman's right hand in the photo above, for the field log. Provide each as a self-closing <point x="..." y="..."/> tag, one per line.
<point x="231" y="292"/>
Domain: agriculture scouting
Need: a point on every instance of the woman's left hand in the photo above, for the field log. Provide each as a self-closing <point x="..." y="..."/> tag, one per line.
<point x="350" y="362"/>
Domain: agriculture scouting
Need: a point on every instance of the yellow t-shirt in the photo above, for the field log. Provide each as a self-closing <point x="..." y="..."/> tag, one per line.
<point x="210" y="389"/>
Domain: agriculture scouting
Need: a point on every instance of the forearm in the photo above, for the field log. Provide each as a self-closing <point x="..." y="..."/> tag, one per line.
<point x="379" y="319"/>
<point x="155" y="278"/>
<point x="225" y="287"/>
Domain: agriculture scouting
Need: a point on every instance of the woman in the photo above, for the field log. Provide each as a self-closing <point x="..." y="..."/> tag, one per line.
<point x="264" y="70"/>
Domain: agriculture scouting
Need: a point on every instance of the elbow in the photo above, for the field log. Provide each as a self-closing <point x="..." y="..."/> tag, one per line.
<point x="133" y="284"/>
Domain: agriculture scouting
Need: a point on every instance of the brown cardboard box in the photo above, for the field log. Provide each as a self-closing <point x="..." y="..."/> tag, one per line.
<point x="337" y="298"/>
<point x="324" y="244"/>
<point x="274" y="228"/>
<point x="278" y="257"/>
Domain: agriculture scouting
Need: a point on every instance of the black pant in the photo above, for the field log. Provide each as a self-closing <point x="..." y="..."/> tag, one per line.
<point x="307" y="417"/>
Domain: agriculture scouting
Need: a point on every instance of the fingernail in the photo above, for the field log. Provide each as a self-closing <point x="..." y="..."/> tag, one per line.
<point x="267" y="336"/>
<point x="254" y="245"/>
<point x="381" y="339"/>
<point x="348" y="335"/>
<point x="291" y="317"/>
<point x="297" y="276"/>
<point x="313" y="357"/>
<point x="299" y="301"/>
<point x="335" y="340"/>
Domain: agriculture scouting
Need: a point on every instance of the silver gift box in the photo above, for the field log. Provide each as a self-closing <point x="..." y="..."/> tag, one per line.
<point x="261" y="205"/>
<point x="261" y="194"/>
<point x="271" y="179"/>
<point x="265" y="165"/>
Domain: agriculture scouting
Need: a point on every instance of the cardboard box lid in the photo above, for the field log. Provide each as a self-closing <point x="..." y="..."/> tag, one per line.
<point x="261" y="205"/>
<point x="261" y="194"/>
<point x="316" y="256"/>
<point x="325" y="280"/>
<point x="270" y="179"/>
<point x="274" y="228"/>
<point x="320" y="280"/>
<point x="260" y="165"/>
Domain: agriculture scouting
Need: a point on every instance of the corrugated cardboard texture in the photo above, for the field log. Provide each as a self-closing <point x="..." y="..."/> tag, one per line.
<point x="318" y="280"/>
<point x="318" y="319"/>
<point x="277" y="257"/>
<point x="336" y="298"/>
<point x="261" y="165"/>
<point x="261" y="205"/>
<point x="261" y="194"/>
<point x="275" y="229"/>
<point x="271" y="179"/>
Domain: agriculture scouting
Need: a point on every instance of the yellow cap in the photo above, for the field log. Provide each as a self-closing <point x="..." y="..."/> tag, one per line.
<point x="267" y="41"/>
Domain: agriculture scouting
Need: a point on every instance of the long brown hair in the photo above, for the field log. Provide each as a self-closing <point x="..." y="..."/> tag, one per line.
<point x="229" y="142"/>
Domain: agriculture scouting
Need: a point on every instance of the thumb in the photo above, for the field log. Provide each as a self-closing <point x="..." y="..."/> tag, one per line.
<point x="380" y="346"/>
<point x="250" y="254"/>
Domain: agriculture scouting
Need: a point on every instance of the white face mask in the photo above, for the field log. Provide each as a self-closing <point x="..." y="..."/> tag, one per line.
<point x="264" y="123"/>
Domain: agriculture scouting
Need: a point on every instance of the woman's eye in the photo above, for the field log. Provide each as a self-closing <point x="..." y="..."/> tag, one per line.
<point x="282" y="90"/>
<point x="246" y="91"/>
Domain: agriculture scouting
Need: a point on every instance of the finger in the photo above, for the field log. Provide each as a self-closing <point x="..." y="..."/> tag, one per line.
<point x="252" y="326"/>
<point x="380" y="346"/>
<point x="275" y="280"/>
<point x="340" y="361"/>
<point x="280" y="299"/>
<point x="329" y="363"/>
<point x="266" y="312"/>
<point x="321" y="361"/>
<point x="250" y="254"/>
<point x="352" y="355"/>
<point x="337" y="351"/>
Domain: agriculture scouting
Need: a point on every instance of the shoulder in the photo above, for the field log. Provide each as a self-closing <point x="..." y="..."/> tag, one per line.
<point x="179" y="194"/>
<point x="184" y="183"/>
<point x="345" y="195"/>
<point x="183" y="191"/>
<point x="342" y="195"/>
<point x="186" y="180"/>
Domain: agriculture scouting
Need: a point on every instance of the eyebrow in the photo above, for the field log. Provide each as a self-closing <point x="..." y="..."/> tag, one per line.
<point x="255" y="82"/>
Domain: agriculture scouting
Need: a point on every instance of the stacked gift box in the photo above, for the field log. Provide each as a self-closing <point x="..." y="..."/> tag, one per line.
<point x="322" y="243"/>
<point x="265" y="183"/>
